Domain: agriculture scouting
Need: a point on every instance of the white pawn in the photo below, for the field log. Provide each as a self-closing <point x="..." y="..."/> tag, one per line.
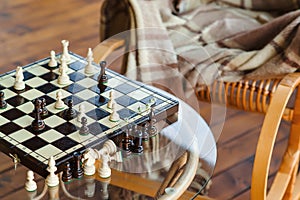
<point x="63" y="78"/>
<point x="111" y="100"/>
<point x="65" y="44"/>
<point x="59" y="104"/>
<point x="114" y="116"/>
<point x="30" y="185"/>
<point x="104" y="170"/>
<point x="63" y="64"/>
<point x="81" y="112"/>
<point x="89" y="68"/>
<point x="52" y="179"/>
<point x="19" y="82"/>
<point x="53" y="61"/>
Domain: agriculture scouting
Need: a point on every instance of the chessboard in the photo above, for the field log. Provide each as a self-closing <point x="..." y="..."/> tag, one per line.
<point x="60" y="136"/>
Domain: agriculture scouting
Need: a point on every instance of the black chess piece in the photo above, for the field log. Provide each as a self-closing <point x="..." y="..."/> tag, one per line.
<point x="102" y="79"/>
<point x="77" y="170"/>
<point x="67" y="172"/>
<point x="37" y="124"/>
<point x="84" y="130"/>
<point x="138" y="145"/>
<point x="43" y="107"/>
<point x="70" y="113"/>
<point x="3" y="103"/>
<point x="126" y="142"/>
<point x="152" y="130"/>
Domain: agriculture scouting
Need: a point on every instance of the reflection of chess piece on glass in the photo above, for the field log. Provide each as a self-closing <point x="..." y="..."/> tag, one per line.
<point x="19" y="81"/>
<point x="90" y="187"/>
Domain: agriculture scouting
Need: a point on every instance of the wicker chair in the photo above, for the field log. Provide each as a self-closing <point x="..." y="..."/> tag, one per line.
<point x="276" y="98"/>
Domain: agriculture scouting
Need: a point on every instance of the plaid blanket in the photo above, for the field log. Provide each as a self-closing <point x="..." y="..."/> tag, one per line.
<point x="183" y="44"/>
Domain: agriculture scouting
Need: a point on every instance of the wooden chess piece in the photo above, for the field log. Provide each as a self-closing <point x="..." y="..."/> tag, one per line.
<point x="89" y="68"/>
<point x="52" y="179"/>
<point x="102" y="77"/>
<point x="89" y="162"/>
<point x="70" y="113"/>
<point x="53" y="61"/>
<point x="67" y="173"/>
<point x="114" y="116"/>
<point x="59" y="104"/>
<point x="77" y="170"/>
<point x="138" y="146"/>
<point x="19" y="81"/>
<point x="43" y="107"/>
<point x="84" y="130"/>
<point x="37" y="124"/>
<point x="30" y="185"/>
<point x="65" y="44"/>
<point x="3" y="103"/>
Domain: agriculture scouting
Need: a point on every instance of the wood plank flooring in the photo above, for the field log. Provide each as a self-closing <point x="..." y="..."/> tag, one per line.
<point x="29" y="29"/>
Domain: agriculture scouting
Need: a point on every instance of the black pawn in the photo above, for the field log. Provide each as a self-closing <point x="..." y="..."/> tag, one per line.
<point x="102" y="77"/>
<point x="43" y="107"/>
<point x="3" y="103"/>
<point x="70" y="113"/>
<point x="84" y="130"/>
<point x="77" y="171"/>
<point x="37" y="124"/>
<point x="67" y="172"/>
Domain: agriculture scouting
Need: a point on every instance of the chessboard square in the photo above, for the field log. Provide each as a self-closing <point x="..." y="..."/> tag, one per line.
<point x="96" y="76"/>
<point x="27" y="75"/>
<point x="106" y="122"/>
<point x="64" y="94"/>
<point x="94" y="71"/>
<point x="76" y="100"/>
<point x="7" y="82"/>
<point x="54" y="121"/>
<point x="64" y="143"/>
<point x="50" y="76"/>
<point x="116" y="94"/>
<point x="6" y="109"/>
<point x="53" y="110"/>
<point x="98" y="100"/>
<point x="68" y="71"/>
<point x="37" y="70"/>
<point x="35" y="82"/>
<point x="48" y="151"/>
<point x="148" y="99"/>
<point x="86" y="94"/>
<point x="55" y="82"/>
<point x="3" y="120"/>
<point x="114" y="82"/>
<point x="21" y="135"/>
<point x="77" y="65"/>
<point x="80" y="138"/>
<point x="125" y="113"/>
<point x="87" y="106"/>
<point x="74" y="88"/>
<point x="117" y="107"/>
<point x="78" y="123"/>
<point x="32" y="94"/>
<point x="8" y="93"/>
<point x="97" y="114"/>
<point x="48" y="100"/>
<point x="35" y="143"/>
<point x="16" y="101"/>
<point x="87" y="82"/>
<point x="125" y="100"/>
<point x="125" y="88"/>
<point x="13" y="114"/>
<point x="96" y="128"/>
<point x="24" y="121"/>
<point x="66" y="128"/>
<point x="138" y="107"/>
<point x="138" y="94"/>
<point x="51" y="135"/>
<point x="47" y="88"/>
<point x="26" y="107"/>
<point x="76" y="76"/>
<point x="9" y="128"/>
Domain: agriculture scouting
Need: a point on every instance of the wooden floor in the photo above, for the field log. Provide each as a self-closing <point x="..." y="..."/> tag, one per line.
<point x="29" y="29"/>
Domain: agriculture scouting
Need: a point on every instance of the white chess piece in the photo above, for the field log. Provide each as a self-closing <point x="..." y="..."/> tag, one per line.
<point x="63" y="78"/>
<point x="59" y="104"/>
<point x="52" y="179"/>
<point x="63" y="64"/>
<point x="53" y="61"/>
<point x="19" y="82"/>
<point x="65" y="44"/>
<point x="104" y="170"/>
<point x="30" y="185"/>
<point x="114" y="116"/>
<point x="111" y="100"/>
<point x="81" y="112"/>
<point x="89" y="68"/>
<point x="89" y="162"/>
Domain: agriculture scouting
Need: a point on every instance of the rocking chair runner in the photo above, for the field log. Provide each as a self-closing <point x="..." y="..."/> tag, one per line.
<point x="269" y="96"/>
